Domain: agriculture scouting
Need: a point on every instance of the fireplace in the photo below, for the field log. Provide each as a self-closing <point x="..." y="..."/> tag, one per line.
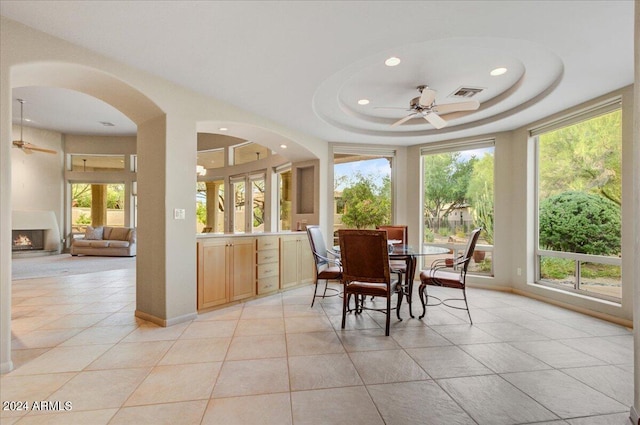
<point x="27" y="240"/>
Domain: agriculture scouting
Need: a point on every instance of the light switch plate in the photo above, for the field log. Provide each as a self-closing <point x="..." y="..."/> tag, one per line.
<point x="178" y="214"/>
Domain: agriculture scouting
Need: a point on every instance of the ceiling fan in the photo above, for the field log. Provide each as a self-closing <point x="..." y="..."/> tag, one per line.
<point x="425" y="106"/>
<point x="27" y="147"/>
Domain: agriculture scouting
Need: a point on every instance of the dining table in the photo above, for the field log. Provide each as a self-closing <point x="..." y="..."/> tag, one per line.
<point x="409" y="254"/>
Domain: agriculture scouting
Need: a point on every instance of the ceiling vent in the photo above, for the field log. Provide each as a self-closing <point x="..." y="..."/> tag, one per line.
<point x="466" y="92"/>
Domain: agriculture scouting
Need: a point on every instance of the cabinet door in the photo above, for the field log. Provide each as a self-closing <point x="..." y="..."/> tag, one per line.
<point x="288" y="261"/>
<point x="212" y="274"/>
<point x="305" y="262"/>
<point x="242" y="268"/>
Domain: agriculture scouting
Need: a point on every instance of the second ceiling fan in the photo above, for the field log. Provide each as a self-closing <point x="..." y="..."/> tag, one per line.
<point x="424" y="106"/>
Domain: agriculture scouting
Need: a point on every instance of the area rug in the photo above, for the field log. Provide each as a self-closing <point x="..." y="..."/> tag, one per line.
<point x="66" y="265"/>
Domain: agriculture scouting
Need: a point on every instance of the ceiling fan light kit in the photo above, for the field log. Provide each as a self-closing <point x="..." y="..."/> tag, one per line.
<point x="26" y="147"/>
<point x="425" y="106"/>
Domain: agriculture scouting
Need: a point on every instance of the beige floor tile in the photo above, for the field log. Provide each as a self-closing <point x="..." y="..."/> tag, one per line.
<point x="248" y="327"/>
<point x="31" y="388"/>
<point x="93" y="417"/>
<point x="21" y="357"/>
<point x="43" y="339"/>
<point x="503" y="358"/>
<point x="446" y="362"/>
<point x="354" y="322"/>
<point x="257" y="347"/>
<point x="351" y="405"/>
<point x="99" y="335"/>
<point x="101" y="389"/>
<point x="264" y="409"/>
<point x="314" y="323"/>
<point x="564" y="395"/>
<point x="556" y="354"/>
<point x="322" y="371"/>
<point x="417" y="403"/>
<point x="366" y="339"/>
<point x="493" y="401"/>
<point x="63" y="359"/>
<point x="131" y="355"/>
<point x="304" y="344"/>
<point x="262" y="312"/>
<point x="121" y="319"/>
<point x="386" y="366"/>
<point x="302" y="310"/>
<point x="206" y="350"/>
<point x="250" y="377"/>
<point x="417" y="337"/>
<point x="229" y="313"/>
<point x="151" y="332"/>
<point x="614" y="419"/>
<point x="76" y="321"/>
<point x="609" y="380"/>
<point x="188" y="412"/>
<point x="210" y="329"/>
<point x="172" y="383"/>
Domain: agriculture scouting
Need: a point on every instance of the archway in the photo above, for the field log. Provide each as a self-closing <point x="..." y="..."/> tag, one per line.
<point x="151" y="122"/>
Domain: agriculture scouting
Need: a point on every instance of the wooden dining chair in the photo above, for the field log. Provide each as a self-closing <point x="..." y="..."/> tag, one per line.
<point x="327" y="268"/>
<point x="398" y="232"/>
<point x="440" y="274"/>
<point x="365" y="270"/>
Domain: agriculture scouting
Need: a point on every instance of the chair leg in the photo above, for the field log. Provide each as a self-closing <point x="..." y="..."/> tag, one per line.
<point x="345" y="303"/>
<point x="464" y="293"/>
<point x="326" y="285"/>
<point x="400" y="294"/>
<point x="388" y="315"/>
<point x="423" y="299"/>
<point x="315" y="291"/>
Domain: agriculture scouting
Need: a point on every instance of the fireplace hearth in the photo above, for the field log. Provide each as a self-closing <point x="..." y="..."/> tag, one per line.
<point x="27" y="240"/>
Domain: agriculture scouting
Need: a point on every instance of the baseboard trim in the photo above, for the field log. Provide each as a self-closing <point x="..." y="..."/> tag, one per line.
<point x="6" y="367"/>
<point x="634" y="416"/>
<point x="164" y="322"/>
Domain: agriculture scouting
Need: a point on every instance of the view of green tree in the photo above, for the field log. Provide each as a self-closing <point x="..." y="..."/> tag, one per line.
<point x="446" y="181"/>
<point x="580" y="222"/>
<point x="366" y="204"/>
<point x="584" y="157"/>
<point x="480" y="195"/>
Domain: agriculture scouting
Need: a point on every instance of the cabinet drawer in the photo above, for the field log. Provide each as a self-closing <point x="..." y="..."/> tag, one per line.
<point x="268" y="256"/>
<point x="268" y="284"/>
<point x="268" y="270"/>
<point x="267" y="242"/>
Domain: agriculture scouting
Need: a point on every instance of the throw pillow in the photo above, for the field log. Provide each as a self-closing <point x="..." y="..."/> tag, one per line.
<point x="93" y="233"/>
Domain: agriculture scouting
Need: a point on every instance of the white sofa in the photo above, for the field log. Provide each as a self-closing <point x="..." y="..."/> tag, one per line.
<point x="106" y="241"/>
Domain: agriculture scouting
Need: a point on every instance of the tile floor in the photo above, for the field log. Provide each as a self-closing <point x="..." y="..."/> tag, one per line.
<point x="275" y="360"/>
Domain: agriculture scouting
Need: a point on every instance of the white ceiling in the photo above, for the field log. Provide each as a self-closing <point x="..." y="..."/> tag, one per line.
<point x="305" y="64"/>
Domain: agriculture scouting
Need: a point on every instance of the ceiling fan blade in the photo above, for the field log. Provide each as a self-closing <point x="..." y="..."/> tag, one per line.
<point x="36" y="149"/>
<point x="470" y="105"/>
<point x="435" y="120"/>
<point x="28" y="146"/>
<point x="403" y="120"/>
<point x="427" y="97"/>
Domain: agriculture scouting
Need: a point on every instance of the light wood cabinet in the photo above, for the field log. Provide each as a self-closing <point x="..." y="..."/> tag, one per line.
<point x="226" y="270"/>
<point x="296" y="261"/>
<point x="267" y="264"/>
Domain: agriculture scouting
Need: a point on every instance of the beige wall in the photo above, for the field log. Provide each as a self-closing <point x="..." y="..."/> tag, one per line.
<point x="37" y="179"/>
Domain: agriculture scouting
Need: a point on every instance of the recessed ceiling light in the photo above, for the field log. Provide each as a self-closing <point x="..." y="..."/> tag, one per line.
<point x="392" y="61"/>
<point x="223" y="129"/>
<point x="283" y="146"/>
<point x="363" y="102"/>
<point x="498" y="71"/>
<point x="27" y="120"/>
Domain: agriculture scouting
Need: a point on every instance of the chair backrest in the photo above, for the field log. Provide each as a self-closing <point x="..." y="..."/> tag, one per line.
<point x="364" y="256"/>
<point x="471" y="246"/>
<point x="396" y="231"/>
<point x="318" y="246"/>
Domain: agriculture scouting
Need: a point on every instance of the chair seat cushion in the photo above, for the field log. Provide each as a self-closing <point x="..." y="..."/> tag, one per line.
<point x="440" y="278"/>
<point x="331" y="272"/>
<point x="368" y="288"/>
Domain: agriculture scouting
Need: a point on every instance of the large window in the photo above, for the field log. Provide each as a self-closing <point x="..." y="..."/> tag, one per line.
<point x="97" y="204"/>
<point x="579" y="201"/>
<point x="97" y="163"/>
<point x="257" y="202"/>
<point x="362" y="189"/>
<point x="284" y="199"/>
<point x="458" y="197"/>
